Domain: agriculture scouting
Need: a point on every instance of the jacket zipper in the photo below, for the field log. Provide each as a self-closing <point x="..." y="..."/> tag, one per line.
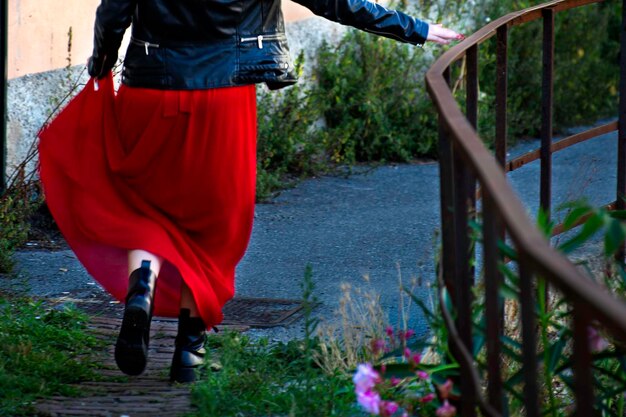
<point x="147" y="45"/>
<point x="260" y="38"/>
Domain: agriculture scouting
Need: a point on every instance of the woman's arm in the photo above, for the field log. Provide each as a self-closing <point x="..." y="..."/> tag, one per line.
<point x="112" y="19"/>
<point x="374" y="18"/>
<point x="438" y="34"/>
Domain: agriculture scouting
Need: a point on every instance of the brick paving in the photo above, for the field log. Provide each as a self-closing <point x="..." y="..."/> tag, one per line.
<point x="150" y="394"/>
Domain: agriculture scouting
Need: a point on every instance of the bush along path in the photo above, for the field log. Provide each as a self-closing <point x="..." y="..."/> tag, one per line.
<point x="113" y="394"/>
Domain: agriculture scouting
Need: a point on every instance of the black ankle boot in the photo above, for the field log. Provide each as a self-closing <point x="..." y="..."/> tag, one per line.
<point x="131" y="349"/>
<point x="189" y="353"/>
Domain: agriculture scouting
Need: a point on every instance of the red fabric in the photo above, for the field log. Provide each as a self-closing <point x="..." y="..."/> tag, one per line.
<point x="170" y="172"/>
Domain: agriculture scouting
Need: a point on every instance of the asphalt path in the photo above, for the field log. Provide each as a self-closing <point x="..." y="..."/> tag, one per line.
<point x="381" y="223"/>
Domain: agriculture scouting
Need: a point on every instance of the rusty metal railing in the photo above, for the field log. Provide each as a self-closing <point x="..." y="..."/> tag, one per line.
<point x="465" y="163"/>
<point x="4" y="34"/>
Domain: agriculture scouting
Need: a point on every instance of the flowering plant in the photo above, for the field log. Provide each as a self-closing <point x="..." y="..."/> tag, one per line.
<point x="402" y="385"/>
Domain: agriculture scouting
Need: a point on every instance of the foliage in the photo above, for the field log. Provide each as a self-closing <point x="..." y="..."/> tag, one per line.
<point x="17" y="204"/>
<point x="553" y="316"/>
<point x="404" y="382"/>
<point x="24" y="195"/>
<point x="287" y="143"/>
<point x="41" y="351"/>
<point x="268" y="379"/>
<point x="272" y="378"/>
<point x="373" y="100"/>
<point x="345" y="342"/>
<point x="586" y="68"/>
<point x="554" y="319"/>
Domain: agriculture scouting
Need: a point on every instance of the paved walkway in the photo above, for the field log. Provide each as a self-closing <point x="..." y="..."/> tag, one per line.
<point x="148" y="395"/>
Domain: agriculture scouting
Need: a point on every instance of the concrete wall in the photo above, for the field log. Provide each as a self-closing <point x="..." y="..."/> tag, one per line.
<point x="44" y="61"/>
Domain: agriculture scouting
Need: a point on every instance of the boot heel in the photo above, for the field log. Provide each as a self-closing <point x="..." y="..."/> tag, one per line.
<point x="183" y="375"/>
<point x="131" y="350"/>
<point x="190" y="352"/>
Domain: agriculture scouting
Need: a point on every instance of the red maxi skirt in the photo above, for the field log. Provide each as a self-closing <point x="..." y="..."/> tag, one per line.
<point x="169" y="172"/>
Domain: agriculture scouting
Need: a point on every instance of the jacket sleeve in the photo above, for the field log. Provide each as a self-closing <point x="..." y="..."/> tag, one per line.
<point x="371" y="17"/>
<point x="112" y="19"/>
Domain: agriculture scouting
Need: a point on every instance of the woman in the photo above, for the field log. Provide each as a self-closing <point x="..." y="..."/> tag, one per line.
<point x="176" y="197"/>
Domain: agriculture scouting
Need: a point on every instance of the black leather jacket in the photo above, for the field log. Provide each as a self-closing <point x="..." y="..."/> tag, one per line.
<point x="196" y="44"/>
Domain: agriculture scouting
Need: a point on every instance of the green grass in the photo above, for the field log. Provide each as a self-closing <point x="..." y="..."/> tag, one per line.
<point x="42" y="350"/>
<point x="247" y="377"/>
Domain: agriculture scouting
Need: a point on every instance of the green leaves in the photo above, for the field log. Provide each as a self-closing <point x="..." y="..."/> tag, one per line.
<point x="39" y="348"/>
<point x="592" y="29"/>
<point x="269" y="378"/>
<point x="593" y="220"/>
<point x="554" y="350"/>
<point x="372" y="99"/>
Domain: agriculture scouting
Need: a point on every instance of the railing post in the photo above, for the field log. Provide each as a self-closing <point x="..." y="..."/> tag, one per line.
<point x="529" y="338"/>
<point x="621" y="136"/>
<point x="471" y="98"/>
<point x="547" y="94"/>
<point x="583" y="382"/>
<point x="463" y="279"/>
<point x="471" y="57"/>
<point x="494" y="305"/>
<point x="501" y="92"/>
<point x="466" y="210"/>
<point x="547" y="106"/>
<point x="4" y="34"/>
<point x="446" y="193"/>
<point x="449" y="226"/>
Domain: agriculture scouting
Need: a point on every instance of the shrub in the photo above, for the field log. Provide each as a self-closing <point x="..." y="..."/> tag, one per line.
<point x="17" y="204"/>
<point x="373" y="100"/>
<point x="287" y="143"/>
<point x="586" y="69"/>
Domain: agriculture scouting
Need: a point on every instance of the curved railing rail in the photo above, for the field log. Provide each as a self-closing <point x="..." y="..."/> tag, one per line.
<point x="466" y="162"/>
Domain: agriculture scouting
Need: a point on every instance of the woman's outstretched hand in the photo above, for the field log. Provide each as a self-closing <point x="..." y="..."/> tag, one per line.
<point x="438" y="34"/>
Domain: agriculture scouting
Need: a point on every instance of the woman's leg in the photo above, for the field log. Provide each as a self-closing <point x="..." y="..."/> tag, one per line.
<point x="136" y="256"/>
<point x="187" y="301"/>
<point x="190" y="352"/>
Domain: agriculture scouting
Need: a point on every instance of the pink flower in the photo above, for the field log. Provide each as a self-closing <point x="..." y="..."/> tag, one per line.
<point x="427" y="398"/>
<point x="389" y="407"/>
<point x="394" y="381"/>
<point x="445" y="389"/>
<point x="423" y="375"/>
<point x="416" y="358"/>
<point x="596" y="342"/>
<point x="365" y="378"/>
<point x="405" y="335"/>
<point x="370" y="401"/>
<point x="378" y="345"/>
<point x="389" y="331"/>
<point x="446" y="410"/>
<point x="407" y="353"/>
